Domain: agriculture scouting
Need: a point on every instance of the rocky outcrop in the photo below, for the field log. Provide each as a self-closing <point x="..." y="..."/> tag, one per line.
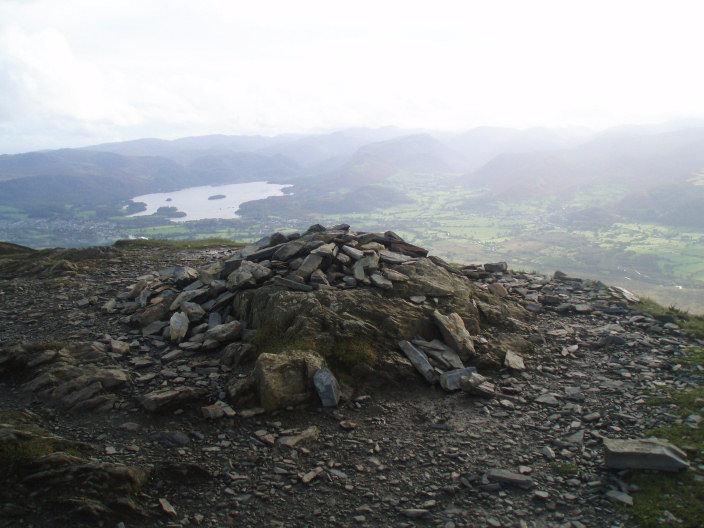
<point x="76" y="376"/>
<point x="84" y="491"/>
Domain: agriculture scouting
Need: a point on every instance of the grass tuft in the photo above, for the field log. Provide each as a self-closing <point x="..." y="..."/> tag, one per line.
<point x="675" y="499"/>
<point x="691" y="324"/>
<point x="565" y="469"/>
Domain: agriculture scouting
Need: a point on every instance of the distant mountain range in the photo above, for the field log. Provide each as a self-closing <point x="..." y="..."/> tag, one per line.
<point x="647" y="173"/>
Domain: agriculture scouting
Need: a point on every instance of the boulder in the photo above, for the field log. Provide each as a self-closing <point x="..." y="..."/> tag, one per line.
<point x="285" y="379"/>
<point x="381" y="318"/>
<point x="455" y="334"/>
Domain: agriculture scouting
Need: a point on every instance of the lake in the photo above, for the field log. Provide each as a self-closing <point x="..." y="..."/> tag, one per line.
<point x="224" y="200"/>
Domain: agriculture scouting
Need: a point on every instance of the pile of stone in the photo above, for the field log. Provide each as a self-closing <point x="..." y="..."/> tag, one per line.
<point x="320" y="258"/>
<point x="328" y="283"/>
<point x="181" y="301"/>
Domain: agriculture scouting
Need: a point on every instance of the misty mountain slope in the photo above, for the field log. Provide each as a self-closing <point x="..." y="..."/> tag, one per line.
<point x="320" y="149"/>
<point x="679" y="203"/>
<point x="241" y="167"/>
<point x="185" y="150"/>
<point x="480" y="145"/>
<point x="377" y="162"/>
<point x="634" y="161"/>
<point x="305" y="150"/>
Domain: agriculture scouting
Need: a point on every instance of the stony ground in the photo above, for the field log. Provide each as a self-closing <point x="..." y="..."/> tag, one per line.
<point x="408" y="455"/>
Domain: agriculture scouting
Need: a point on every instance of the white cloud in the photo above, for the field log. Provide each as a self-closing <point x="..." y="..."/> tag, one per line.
<point x="82" y="71"/>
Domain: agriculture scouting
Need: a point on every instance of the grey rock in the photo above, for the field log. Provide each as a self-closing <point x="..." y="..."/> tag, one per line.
<point x="358" y="271"/>
<point x="288" y="250"/>
<point x="455" y="334"/>
<point x="185" y="297"/>
<point x="350" y="282"/>
<point x="183" y="275"/>
<point x="477" y="385"/>
<point x="327" y="387"/>
<point x="214" y="319"/>
<point x="395" y="276"/>
<point x="309" y="265"/>
<point x="285" y="379"/>
<point x="119" y="347"/>
<point x="307" y="436"/>
<point x="510" y="477"/>
<point x="225" y="333"/>
<point x="451" y="380"/>
<point x="620" y="496"/>
<point x="440" y="352"/>
<point x="193" y="311"/>
<point x="380" y="281"/>
<point x="229" y="266"/>
<point x="240" y="279"/>
<point x="178" y="327"/>
<point x="292" y="284"/>
<point x="326" y="250"/>
<point x="167" y="399"/>
<point x="318" y="277"/>
<point x="370" y="262"/>
<point x="355" y="254"/>
<point x="548" y="399"/>
<point x="419" y="360"/>
<point x="496" y="267"/>
<point x="154" y="328"/>
<point x="153" y="313"/>
<point x="497" y="289"/>
<point x="514" y="361"/>
<point x="236" y="353"/>
<point x="391" y="257"/>
<point x="650" y="453"/>
<point x="112" y="378"/>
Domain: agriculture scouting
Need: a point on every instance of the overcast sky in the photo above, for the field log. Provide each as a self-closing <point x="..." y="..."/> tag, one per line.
<point x="79" y="72"/>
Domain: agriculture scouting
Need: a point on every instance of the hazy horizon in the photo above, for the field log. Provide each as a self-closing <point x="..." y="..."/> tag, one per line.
<point x="80" y="73"/>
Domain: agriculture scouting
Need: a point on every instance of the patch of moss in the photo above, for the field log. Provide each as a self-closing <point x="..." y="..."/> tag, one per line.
<point x="682" y="495"/>
<point x="675" y="499"/>
<point x="341" y="356"/>
<point x="345" y="354"/>
<point x="16" y="453"/>
<point x="693" y="356"/>
<point x="565" y="469"/>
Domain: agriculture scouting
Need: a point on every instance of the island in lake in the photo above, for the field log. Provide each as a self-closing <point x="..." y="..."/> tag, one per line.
<point x="217" y="197"/>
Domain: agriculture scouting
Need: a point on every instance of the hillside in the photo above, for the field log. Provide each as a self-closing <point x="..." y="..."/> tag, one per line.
<point x="375" y="384"/>
<point x="623" y="205"/>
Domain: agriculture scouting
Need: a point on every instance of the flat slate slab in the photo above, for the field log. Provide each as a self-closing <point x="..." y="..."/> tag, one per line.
<point x="649" y="453"/>
<point x="419" y="360"/>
